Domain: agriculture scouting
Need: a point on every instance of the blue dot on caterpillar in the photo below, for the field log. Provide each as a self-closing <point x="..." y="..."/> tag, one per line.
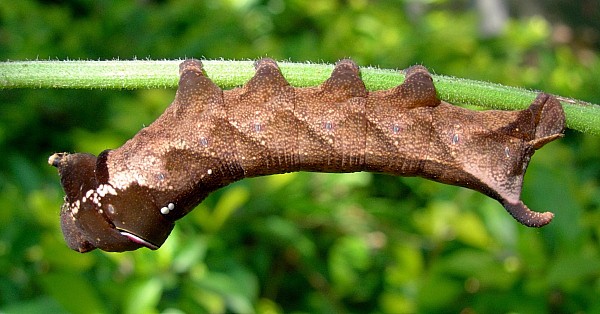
<point x="131" y="196"/>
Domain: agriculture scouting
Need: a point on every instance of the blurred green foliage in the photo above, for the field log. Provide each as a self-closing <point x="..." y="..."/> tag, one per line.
<point x="300" y="242"/>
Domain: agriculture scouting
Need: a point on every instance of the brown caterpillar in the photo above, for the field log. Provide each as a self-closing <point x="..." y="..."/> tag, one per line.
<point x="207" y="138"/>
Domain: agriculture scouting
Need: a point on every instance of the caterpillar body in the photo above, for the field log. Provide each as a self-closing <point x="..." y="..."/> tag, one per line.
<point x="130" y="197"/>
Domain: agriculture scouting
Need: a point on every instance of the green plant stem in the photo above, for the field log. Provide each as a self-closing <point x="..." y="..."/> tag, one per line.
<point x="581" y="116"/>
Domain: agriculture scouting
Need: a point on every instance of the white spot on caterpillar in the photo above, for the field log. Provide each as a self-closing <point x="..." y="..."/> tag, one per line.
<point x="257" y="127"/>
<point x="111" y="190"/>
<point x="455" y="139"/>
<point x="89" y="193"/>
<point x="75" y="207"/>
<point x="203" y="141"/>
<point x="111" y="209"/>
<point x="507" y="152"/>
<point x="95" y="198"/>
<point x="167" y="209"/>
<point x="104" y="189"/>
<point x="209" y="171"/>
<point x="396" y="129"/>
<point x="328" y="125"/>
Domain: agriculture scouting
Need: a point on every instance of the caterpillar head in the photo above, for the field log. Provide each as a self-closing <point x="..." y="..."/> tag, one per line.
<point x="96" y="215"/>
